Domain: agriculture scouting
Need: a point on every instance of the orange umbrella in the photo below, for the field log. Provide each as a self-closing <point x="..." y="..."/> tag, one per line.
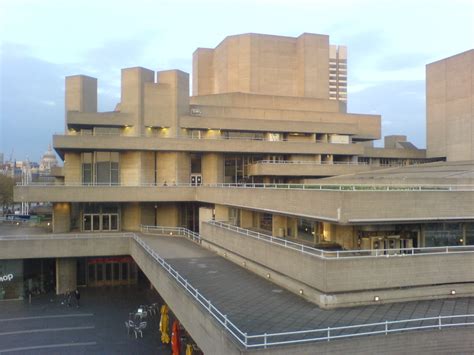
<point x="175" y="346"/>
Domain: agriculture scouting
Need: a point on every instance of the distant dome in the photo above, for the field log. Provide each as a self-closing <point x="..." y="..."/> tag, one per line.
<point x="48" y="160"/>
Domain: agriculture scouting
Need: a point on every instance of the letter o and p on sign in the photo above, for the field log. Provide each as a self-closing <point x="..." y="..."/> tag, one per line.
<point x="6" y="278"/>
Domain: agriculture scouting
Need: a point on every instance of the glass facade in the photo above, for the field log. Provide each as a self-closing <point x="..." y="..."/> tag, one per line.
<point x="469" y="233"/>
<point x="11" y="279"/>
<point x="107" y="271"/>
<point x="443" y="234"/>
<point x="18" y="278"/>
<point x="100" y="168"/>
<point x="100" y="217"/>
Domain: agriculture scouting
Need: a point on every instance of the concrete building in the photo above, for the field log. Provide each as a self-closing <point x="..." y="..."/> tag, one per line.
<point x="449" y="107"/>
<point x="272" y="171"/>
<point x="338" y="73"/>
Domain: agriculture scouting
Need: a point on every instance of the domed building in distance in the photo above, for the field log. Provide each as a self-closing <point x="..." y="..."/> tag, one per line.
<point x="48" y="161"/>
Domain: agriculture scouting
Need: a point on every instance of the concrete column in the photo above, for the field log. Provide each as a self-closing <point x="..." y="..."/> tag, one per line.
<point x="246" y="219"/>
<point x="72" y="168"/>
<point x="205" y="214"/>
<point x="212" y="168"/>
<point x="222" y="213"/>
<point x="292" y="223"/>
<point x="147" y="214"/>
<point x="173" y="167"/>
<point x="130" y="218"/>
<point x="66" y="275"/>
<point x="61" y="217"/>
<point x="133" y="95"/>
<point x="81" y="93"/>
<point x="279" y="225"/>
<point x="130" y="164"/>
<point x="167" y="214"/>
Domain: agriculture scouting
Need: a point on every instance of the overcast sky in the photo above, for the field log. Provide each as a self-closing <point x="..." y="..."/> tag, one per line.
<point x="389" y="43"/>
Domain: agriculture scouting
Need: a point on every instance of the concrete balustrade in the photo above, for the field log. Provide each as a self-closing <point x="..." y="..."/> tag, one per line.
<point x="335" y="282"/>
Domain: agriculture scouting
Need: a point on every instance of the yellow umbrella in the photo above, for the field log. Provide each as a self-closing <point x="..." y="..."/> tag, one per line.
<point x="164" y="325"/>
<point x="189" y="349"/>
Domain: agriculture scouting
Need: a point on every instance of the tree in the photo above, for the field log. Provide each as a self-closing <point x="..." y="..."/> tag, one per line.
<point x="6" y="191"/>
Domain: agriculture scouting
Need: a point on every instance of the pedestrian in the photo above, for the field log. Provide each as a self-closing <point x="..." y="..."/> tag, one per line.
<point x="68" y="298"/>
<point x="78" y="297"/>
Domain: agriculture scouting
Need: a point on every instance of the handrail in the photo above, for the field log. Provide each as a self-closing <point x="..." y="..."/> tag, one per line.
<point x="310" y="162"/>
<point x="321" y="187"/>
<point x="201" y="137"/>
<point x="64" y="236"/>
<point x="345" y="254"/>
<point x="282" y="338"/>
<point x="240" y="336"/>
<point x="163" y="230"/>
<point x="302" y="336"/>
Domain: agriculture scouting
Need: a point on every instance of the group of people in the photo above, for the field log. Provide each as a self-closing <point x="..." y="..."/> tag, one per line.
<point x="70" y="295"/>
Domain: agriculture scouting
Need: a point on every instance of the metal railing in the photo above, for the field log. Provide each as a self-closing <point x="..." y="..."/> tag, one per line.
<point x="278" y="186"/>
<point x="312" y="335"/>
<point x="240" y="336"/>
<point x="200" y="137"/>
<point x="352" y="331"/>
<point x="309" y="162"/>
<point x="171" y="231"/>
<point x="64" y="236"/>
<point x="283" y="338"/>
<point x="344" y="254"/>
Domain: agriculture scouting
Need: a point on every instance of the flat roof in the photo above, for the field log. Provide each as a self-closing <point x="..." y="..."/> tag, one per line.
<point x="449" y="173"/>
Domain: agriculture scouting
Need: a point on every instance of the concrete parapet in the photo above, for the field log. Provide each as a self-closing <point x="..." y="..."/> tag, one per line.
<point x="345" y="282"/>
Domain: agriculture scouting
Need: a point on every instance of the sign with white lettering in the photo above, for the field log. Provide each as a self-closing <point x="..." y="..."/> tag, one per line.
<point x="6" y="278"/>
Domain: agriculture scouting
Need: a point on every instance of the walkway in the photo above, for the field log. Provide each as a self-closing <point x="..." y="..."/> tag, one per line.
<point x="258" y="306"/>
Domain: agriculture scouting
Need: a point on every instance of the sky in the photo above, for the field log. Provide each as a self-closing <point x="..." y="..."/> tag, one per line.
<point x="42" y="41"/>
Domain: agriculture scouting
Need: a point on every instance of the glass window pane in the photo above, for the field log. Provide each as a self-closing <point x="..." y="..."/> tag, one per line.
<point x="100" y="271"/>
<point x="91" y="272"/>
<point x="105" y="222"/>
<point x="87" y="222"/>
<point x="114" y="222"/>
<point x="102" y="172"/>
<point x="96" y="222"/>
<point x="470" y="233"/>
<point x="108" y="272"/>
<point x="124" y="271"/>
<point x="116" y="267"/>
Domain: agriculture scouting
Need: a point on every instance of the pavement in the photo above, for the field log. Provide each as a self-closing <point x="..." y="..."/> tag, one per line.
<point x="97" y="327"/>
<point x="258" y="306"/>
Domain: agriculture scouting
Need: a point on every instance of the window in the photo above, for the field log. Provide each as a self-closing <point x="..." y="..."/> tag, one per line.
<point x="443" y="234"/>
<point x="87" y="168"/>
<point x="100" y="168"/>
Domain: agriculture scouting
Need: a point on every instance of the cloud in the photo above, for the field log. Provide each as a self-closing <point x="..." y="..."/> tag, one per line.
<point x="32" y="101"/>
<point x="403" y="61"/>
<point x="401" y="104"/>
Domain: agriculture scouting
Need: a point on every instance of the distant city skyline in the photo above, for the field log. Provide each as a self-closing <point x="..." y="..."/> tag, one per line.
<point x="388" y="43"/>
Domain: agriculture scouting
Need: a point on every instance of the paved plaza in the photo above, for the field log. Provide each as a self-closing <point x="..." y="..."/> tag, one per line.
<point x="97" y="327"/>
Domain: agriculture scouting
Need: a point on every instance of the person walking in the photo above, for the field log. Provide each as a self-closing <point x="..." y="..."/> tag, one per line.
<point x="77" y="294"/>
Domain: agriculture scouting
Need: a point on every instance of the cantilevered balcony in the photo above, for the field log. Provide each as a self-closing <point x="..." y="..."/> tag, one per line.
<point x="185" y="144"/>
<point x="103" y="193"/>
<point x="344" y="204"/>
<point x="306" y="168"/>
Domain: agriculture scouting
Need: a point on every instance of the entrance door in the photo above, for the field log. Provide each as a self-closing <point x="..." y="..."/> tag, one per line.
<point x="105" y="222"/>
<point x="391" y="245"/>
<point x="91" y="223"/>
<point x="110" y="222"/>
